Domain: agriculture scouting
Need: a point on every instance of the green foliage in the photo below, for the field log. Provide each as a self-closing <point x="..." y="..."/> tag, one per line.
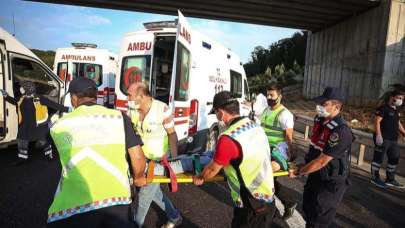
<point x="282" y="62"/>
<point x="46" y="56"/>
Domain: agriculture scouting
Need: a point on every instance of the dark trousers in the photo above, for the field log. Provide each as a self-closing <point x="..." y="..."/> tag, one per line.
<point x="390" y="148"/>
<point x="43" y="144"/>
<point x="108" y="217"/>
<point x="248" y="218"/>
<point x="282" y="194"/>
<point x="320" y="201"/>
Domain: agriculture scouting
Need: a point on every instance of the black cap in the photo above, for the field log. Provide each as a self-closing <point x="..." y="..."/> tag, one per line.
<point x="330" y="93"/>
<point x="81" y="84"/>
<point x="221" y="99"/>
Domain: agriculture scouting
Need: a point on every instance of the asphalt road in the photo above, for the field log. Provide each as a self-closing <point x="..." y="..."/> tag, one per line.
<point x="26" y="192"/>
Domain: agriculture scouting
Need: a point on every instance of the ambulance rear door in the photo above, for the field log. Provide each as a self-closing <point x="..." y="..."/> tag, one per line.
<point x="179" y="100"/>
<point x="2" y="86"/>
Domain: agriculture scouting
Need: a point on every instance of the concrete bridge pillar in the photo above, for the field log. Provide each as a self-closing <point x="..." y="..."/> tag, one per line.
<point x="363" y="54"/>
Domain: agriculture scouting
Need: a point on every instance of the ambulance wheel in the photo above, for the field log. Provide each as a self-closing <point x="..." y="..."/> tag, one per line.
<point x="212" y="139"/>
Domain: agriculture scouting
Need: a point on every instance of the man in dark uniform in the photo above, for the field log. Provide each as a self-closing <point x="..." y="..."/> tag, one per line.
<point x="387" y="129"/>
<point x="32" y="127"/>
<point x="327" y="162"/>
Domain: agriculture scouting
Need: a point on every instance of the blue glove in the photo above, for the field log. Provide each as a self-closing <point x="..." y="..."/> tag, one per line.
<point x="3" y="93"/>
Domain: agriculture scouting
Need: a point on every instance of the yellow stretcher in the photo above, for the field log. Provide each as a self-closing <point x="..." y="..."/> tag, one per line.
<point x="188" y="178"/>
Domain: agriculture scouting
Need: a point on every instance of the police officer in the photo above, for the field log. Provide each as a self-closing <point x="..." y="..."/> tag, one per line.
<point x="387" y="128"/>
<point x="94" y="144"/>
<point x="327" y="162"/>
<point x="278" y="123"/>
<point x="243" y="152"/>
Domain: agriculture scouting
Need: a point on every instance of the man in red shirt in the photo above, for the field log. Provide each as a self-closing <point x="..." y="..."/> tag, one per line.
<point x="242" y="151"/>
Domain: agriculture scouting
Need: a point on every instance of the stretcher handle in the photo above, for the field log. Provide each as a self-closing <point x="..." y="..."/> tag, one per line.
<point x="171" y="174"/>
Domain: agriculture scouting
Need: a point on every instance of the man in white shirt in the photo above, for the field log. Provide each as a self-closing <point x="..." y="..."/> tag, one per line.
<point x="278" y="123"/>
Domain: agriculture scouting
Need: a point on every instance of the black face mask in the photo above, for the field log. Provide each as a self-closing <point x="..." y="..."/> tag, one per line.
<point x="273" y="102"/>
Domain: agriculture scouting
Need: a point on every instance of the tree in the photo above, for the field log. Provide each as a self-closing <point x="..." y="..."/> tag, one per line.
<point x="47" y="56"/>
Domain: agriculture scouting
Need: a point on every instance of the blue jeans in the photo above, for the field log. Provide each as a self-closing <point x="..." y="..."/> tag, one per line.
<point x="153" y="192"/>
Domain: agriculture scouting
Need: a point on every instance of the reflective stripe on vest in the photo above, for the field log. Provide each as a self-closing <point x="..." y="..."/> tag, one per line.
<point x="41" y="111"/>
<point x="151" y="130"/>
<point x="255" y="167"/>
<point x="91" y="144"/>
<point x="271" y="124"/>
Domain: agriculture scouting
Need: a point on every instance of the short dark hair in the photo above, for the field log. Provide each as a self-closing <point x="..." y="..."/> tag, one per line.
<point x="274" y="86"/>
<point x="338" y="103"/>
<point x="90" y="93"/>
<point x="396" y="93"/>
<point x="231" y="108"/>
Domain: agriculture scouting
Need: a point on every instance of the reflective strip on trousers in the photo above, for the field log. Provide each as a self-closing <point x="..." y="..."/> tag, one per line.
<point x="48" y="150"/>
<point x="391" y="168"/>
<point x="23" y="154"/>
<point x="375" y="166"/>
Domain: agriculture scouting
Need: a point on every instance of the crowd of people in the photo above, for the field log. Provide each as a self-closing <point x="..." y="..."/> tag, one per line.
<point x="105" y="153"/>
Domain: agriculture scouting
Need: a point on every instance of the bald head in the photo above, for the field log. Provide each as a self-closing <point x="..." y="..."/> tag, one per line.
<point x="138" y="88"/>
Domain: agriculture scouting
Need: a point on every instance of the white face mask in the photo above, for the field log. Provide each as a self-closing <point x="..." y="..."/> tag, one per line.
<point x="133" y="105"/>
<point x="321" y="111"/>
<point x="22" y="90"/>
<point x="398" y="102"/>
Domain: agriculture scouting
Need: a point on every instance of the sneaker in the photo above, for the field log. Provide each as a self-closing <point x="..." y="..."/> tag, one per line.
<point x="172" y="224"/>
<point x="394" y="184"/>
<point x="289" y="211"/>
<point x="378" y="182"/>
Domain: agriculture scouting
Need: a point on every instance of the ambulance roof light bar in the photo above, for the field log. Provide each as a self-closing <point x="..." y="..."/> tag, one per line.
<point x="84" y="45"/>
<point x="160" y="24"/>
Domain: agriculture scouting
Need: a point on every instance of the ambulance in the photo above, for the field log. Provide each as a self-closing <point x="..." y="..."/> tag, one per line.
<point x="184" y="69"/>
<point x="17" y="64"/>
<point x="86" y="60"/>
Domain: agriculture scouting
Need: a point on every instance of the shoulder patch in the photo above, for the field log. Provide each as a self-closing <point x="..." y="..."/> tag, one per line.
<point x="333" y="139"/>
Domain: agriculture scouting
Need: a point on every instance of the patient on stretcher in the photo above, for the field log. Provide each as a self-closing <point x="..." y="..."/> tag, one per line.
<point x="184" y="163"/>
<point x="279" y="157"/>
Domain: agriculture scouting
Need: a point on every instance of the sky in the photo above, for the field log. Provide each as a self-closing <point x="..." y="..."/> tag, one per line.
<point x="49" y="26"/>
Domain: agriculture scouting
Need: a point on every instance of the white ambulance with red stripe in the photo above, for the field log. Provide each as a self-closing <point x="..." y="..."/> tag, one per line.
<point x="86" y="60"/>
<point x="184" y="69"/>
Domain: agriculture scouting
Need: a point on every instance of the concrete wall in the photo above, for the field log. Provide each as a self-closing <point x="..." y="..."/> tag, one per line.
<point x="394" y="64"/>
<point x="362" y="55"/>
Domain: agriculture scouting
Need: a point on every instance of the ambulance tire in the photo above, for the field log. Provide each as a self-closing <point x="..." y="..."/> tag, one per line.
<point x="212" y="138"/>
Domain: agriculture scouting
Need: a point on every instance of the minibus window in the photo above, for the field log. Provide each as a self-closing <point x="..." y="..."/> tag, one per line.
<point x="27" y="70"/>
<point x="246" y="90"/>
<point x="134" y="69"/>
<point x="182" y="73"/>
<point x="236" y="84"/>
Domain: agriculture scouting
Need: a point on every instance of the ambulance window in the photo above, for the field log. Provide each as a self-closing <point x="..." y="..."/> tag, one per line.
<point x="88" y="70"/>
<point x="236" y="84"/>
<point x="27" y="70"/>
<point x="92" y="71"/>
<point x="62" y="70"/>
<point x="182" y="73"/>
<point x="134" y="69"/>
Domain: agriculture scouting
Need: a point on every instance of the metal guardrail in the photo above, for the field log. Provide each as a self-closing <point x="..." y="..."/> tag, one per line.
<point x="362" y="138"/>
